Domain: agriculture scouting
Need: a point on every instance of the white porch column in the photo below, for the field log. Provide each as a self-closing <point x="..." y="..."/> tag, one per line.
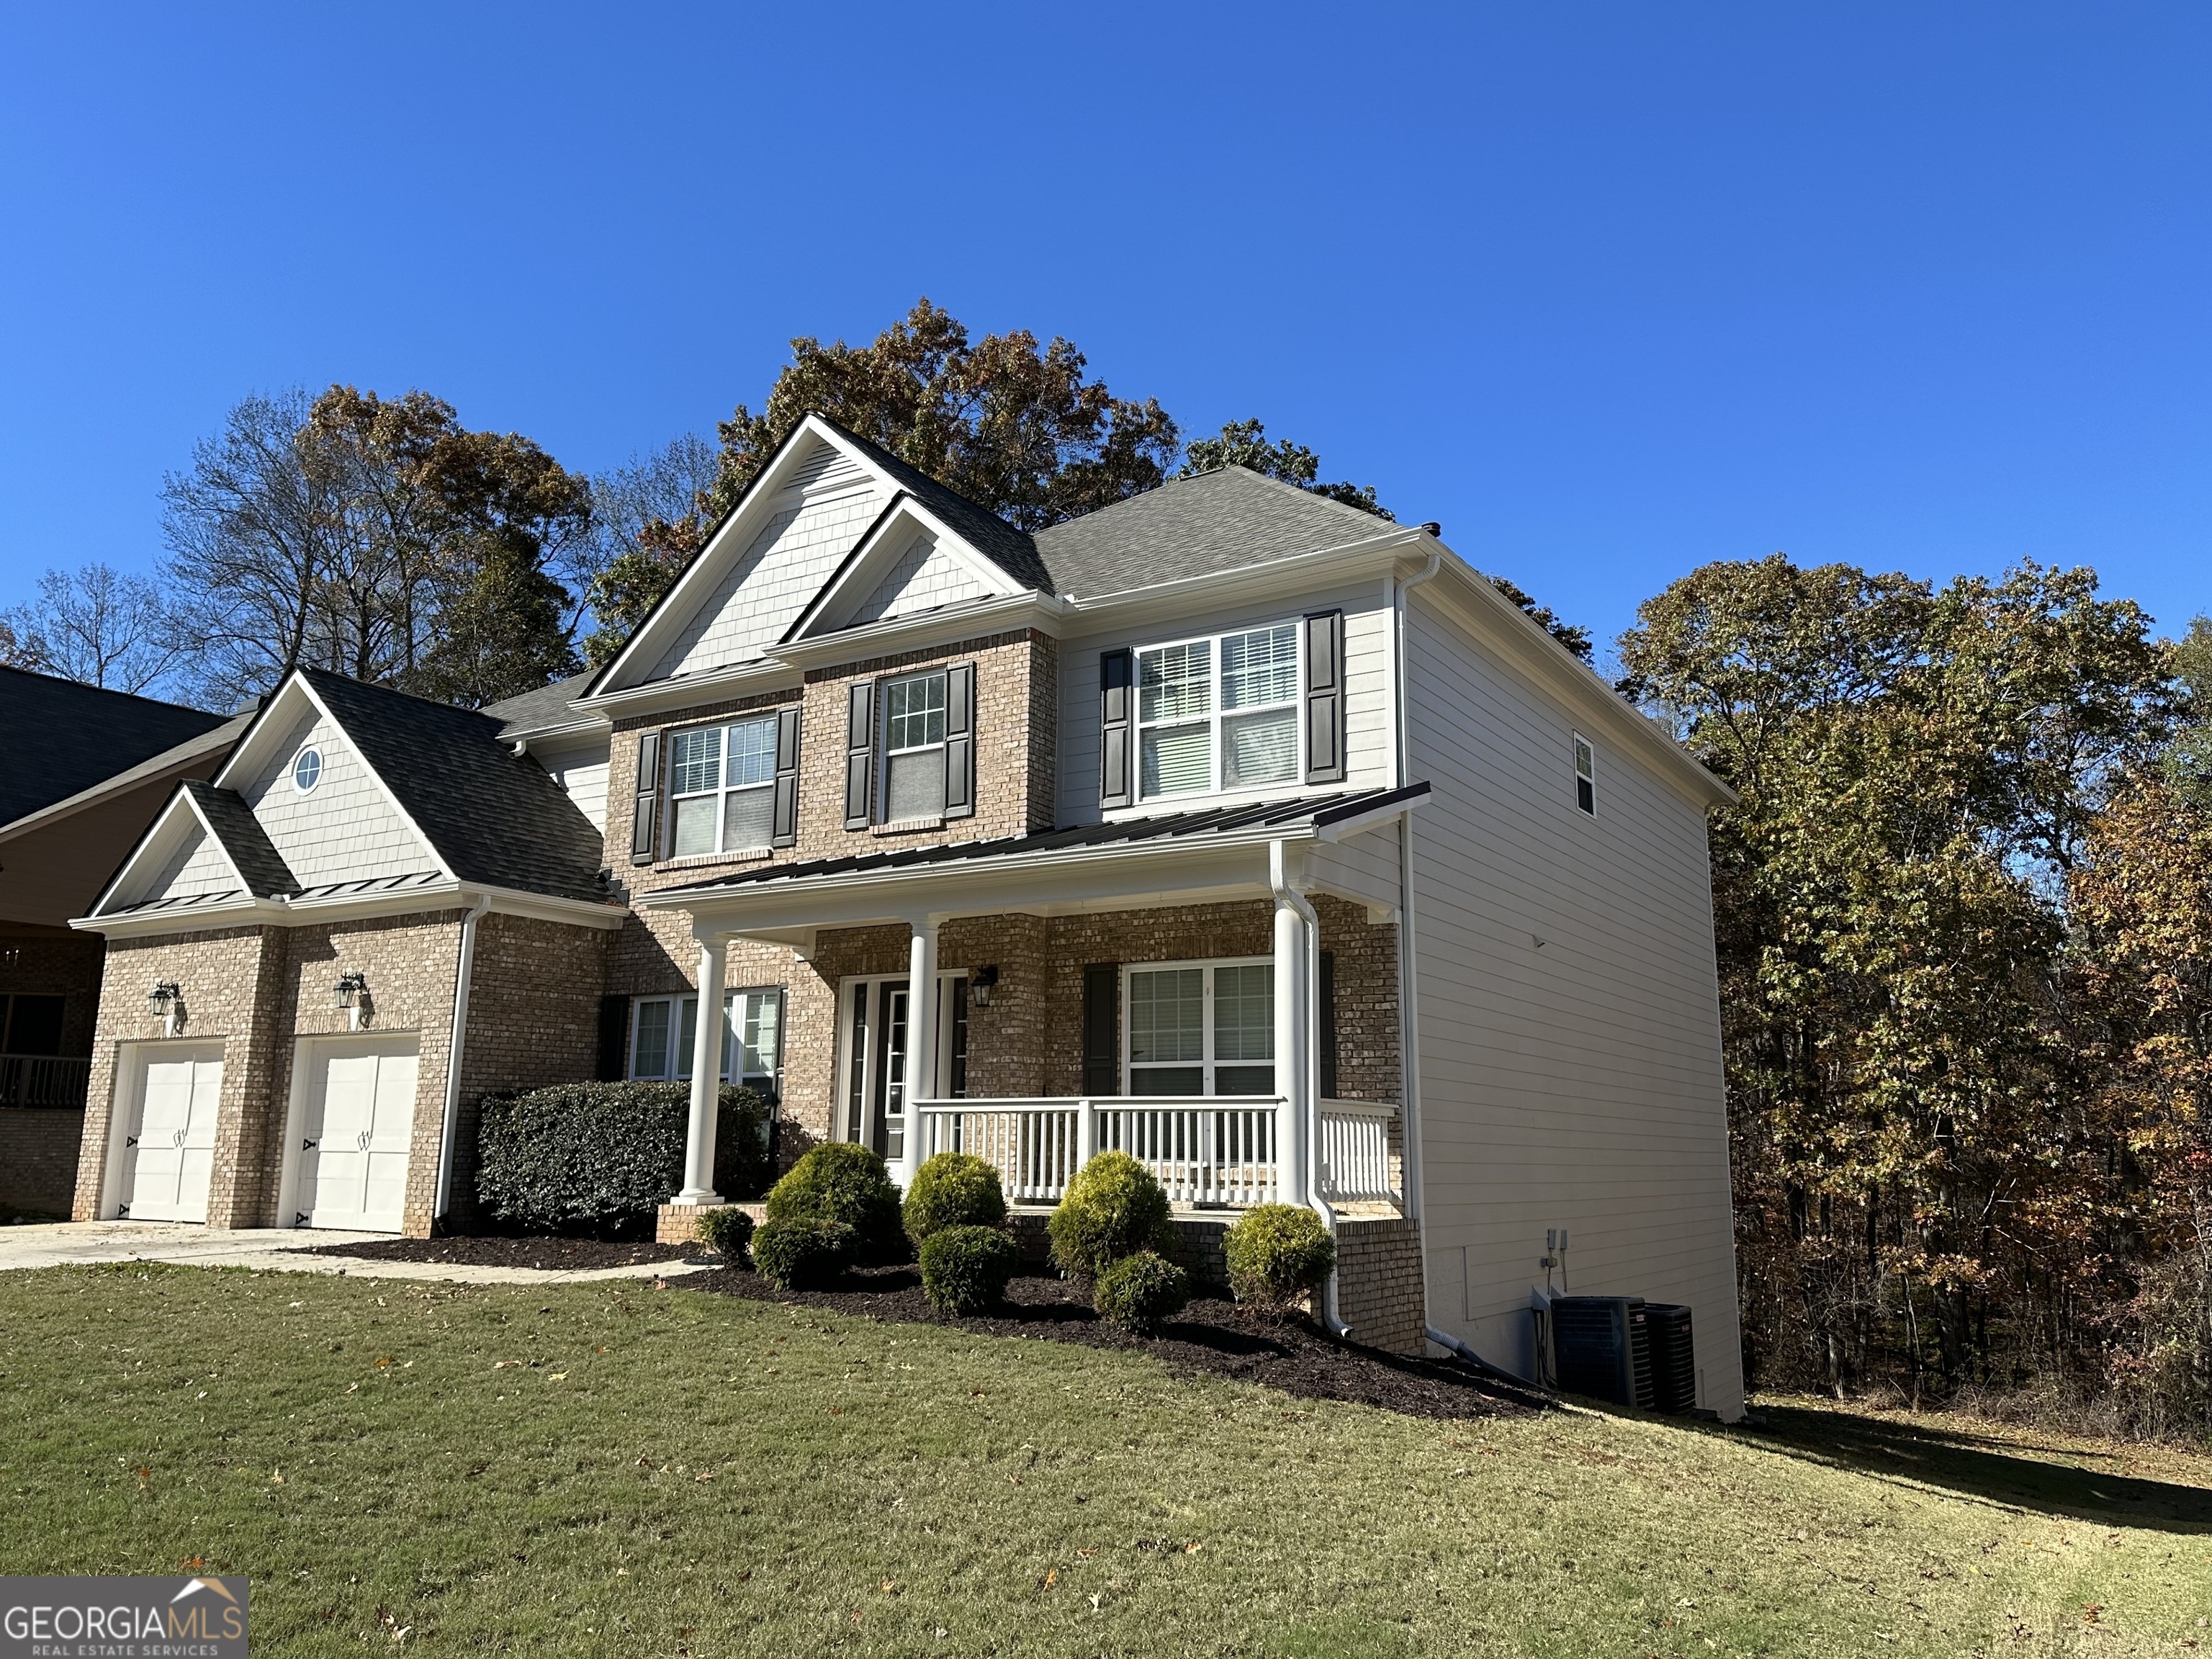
<point x="1294" y="1079"/>
<point x="706" y="1077"/>
<point x="920" y="1042"/>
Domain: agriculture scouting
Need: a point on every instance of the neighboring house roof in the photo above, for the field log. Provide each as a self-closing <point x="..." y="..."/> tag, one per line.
<point x="213" y="742"/>
<point x="254" y="855"/>
<point x="545" y="709"/>
<point x="1255" y="819"/>
<point x="494" y="817"/>
<point x="63" y="738"/>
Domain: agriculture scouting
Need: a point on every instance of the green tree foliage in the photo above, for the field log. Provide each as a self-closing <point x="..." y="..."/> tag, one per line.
<point x="1919" y="772"/>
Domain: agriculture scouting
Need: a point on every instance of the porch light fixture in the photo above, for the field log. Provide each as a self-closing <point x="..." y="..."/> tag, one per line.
<point x="351" y="994"/>
<point x="979" y="988"/>
<point x="166" y="1004"/>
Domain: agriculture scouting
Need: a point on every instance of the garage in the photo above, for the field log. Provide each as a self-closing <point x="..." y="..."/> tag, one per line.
<point x="356" y="1124"/>
<point x="168" y="1152"/>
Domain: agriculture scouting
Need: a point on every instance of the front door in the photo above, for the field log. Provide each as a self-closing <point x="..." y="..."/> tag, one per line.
<point x="356" y="1130"/>
<point x="874" y="1046"/>
<point x="170" y="1153"/>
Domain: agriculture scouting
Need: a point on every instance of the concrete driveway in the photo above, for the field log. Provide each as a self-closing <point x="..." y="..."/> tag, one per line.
<point x="267" y="1249"/>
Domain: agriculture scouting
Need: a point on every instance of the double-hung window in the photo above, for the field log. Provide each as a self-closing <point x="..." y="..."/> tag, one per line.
<point x="914" y="747"/>
<point x="721" y="787"/>
<point x="1585" y="775"/>
<point x="664" y="1031"/>
<point x="1219" y="712"/>
<point x="1204" y="1028"/>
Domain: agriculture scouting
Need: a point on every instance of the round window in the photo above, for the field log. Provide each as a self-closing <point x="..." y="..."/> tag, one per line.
<point x="308" y="769"/>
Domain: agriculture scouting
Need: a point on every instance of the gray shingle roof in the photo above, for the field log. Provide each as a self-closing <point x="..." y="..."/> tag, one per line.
<point x="494" y="816"/>
<point x="58" y="738"/>
<point x="540" y="710"/>
<point x="1309" y="812"/>
<point x="267" y="875"/>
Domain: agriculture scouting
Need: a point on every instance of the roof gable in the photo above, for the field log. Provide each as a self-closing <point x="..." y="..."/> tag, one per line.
<point x="910" y="560"/>
<point x="205" y="849"/>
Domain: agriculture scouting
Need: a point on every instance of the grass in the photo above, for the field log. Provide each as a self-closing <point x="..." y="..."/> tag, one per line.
<point x="670" y="1473"/>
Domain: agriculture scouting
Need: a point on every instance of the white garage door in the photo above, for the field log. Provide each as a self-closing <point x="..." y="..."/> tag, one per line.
<point x="169" y="1149"/>
<point x="359" y="1121"/>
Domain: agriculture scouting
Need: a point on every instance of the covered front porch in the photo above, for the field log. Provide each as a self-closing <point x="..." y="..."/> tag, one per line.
<point x="1221" y="989"/>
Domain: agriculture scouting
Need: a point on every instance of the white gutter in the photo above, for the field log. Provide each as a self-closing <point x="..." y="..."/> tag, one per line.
<point x="454" y="1050"/>
<point x="1310" y="1062"/>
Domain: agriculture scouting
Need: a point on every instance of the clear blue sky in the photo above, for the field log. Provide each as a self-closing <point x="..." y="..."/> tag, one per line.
<point x="1611" y="290"/>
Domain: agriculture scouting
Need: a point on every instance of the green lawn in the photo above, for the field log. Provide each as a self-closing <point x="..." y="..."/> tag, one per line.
<point x="668" y="1472"/>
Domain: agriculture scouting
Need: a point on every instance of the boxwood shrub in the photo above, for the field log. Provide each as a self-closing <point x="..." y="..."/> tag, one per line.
<point x="1114" y="1208"/>
<point x="1276" y="1254"/>
<point x="1141" y="1292"/>
<point x="953" y="1189"/>
<point x="964" y="1270"/>
<point x="802" y="1252"/>
<point x="599" y="1159"/>
<point x="840" y="1180"/>
<point x="726" y="1229"/>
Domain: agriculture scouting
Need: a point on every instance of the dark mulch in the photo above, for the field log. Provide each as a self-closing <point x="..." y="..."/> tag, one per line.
<point x="1213" y="1336"/>
<point x="569" y="1254"/>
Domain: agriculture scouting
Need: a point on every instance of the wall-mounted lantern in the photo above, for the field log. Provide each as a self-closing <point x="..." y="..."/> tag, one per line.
<point x="166" y="1004"/>
<point x="351" y="994"/>
<point x="981" y="988"/>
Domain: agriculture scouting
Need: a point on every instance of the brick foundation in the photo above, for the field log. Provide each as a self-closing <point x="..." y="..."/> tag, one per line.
<point x="679" y="1224"/>
<point x="1378" y="1283"/>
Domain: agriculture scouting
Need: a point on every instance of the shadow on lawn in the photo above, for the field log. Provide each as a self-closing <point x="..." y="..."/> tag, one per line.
<point x="1995" y="1471"/>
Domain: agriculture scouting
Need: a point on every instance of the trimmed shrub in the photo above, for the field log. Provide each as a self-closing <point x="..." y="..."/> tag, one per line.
<point x="953" y="1189"/>
<point x="840" y="1180"/>
<point x="1141" y="1292"/>
<point x="1114" y="1208"/>
<point x="964" y="1270"/>
<point x="802" y="1253"/>
<point x="1276" y="1254"/>
<point x="597" y="1159"/>
<point x="726" y="1230"/>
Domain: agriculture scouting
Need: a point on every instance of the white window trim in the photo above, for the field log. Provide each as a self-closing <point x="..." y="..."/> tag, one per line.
<point x="1141" y="802"/>
<point x="679" y="1058"/>
<point x="322" y="765"/>
<point x="1129" y="1025"/>
<point x="721" y="792"/>
<point x="1580" y="747"/>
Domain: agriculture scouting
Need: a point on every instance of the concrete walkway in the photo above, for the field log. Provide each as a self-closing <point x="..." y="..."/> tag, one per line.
<point x="267" y="1249"/>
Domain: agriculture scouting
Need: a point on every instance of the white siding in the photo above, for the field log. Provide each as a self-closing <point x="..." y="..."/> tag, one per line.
<point x="1364" y="868"/>
<point x="1367" y="694"/>
<point x="925" y="577"/>
<point x="196" y="866"/>
<point x="343" y="830"/>
<point x="582" y="772"/>
<point x="1576" y="1084"/>
<point x="816" y="524"/>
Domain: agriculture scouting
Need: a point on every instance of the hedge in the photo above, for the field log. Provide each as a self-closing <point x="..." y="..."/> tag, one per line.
<point x="964" y="1270"/>
<point x="953" y="1189"/>
<point x="1114" y="1208"/>
<point x="802" y="1253"/>
<point x="599" y="1158"/>
<point x="1276" y="1254"/>
<point x="1141" y="1292"/>
<point x="841" y="1181"/>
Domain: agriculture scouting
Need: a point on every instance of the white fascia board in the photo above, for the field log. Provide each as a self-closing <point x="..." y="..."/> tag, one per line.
<point x="734" y="533"/>
<point x="198" y="919"/>
<point x="159" y="834"/>
<point x="948" y="625"/>
<point x="722" y="686"/>
<point x="353" y="907"/>
<point x="1374" y="819"/>
<point x="1188" y="595"/>
<point x="872" y="558"/>
<point x="1546" y="660"/>
<point x="593" y="725"/>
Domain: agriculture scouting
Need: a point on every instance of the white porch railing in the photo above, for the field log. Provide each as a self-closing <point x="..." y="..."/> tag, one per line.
<point x="1355" y="1151"/>
<point x="1204" y="1150"/>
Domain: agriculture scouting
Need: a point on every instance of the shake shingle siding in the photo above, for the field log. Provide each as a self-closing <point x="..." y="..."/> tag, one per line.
<point x="925" y="577"/>
<point x="343" y="828"/>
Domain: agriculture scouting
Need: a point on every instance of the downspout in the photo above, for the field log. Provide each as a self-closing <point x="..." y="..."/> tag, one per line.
<point x="1409" y="1026"/>
<point x="453" y="1052"/>
<point x="1278" y="878"/>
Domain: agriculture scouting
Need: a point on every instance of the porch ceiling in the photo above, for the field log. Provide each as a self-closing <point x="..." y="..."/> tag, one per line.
<point x="1181" y="858"/>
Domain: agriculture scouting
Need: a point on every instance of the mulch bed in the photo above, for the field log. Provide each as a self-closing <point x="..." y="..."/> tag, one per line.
<point x="565" y="1255"/>
<point x="1213" y="1336"/>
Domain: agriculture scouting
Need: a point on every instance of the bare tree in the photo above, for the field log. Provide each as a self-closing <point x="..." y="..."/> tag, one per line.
<point x="100" y="626"/>
<point x="664" y="487"/>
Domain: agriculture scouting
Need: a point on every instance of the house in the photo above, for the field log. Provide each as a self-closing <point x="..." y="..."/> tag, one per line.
<point x="86" y="769"/>
<point x="1227" y="825"/>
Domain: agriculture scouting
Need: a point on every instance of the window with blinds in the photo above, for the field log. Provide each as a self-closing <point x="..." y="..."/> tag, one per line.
<point x="721" y="787"/>
<point x="1220" y="712"/>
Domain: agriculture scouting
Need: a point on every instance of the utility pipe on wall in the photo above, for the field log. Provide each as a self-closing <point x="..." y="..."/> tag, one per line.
<point x="454" y="1050"/>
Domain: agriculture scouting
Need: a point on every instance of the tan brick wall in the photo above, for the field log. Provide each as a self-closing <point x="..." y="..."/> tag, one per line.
<point x="52" y="963"/>
<point x="1378" y="1283"/>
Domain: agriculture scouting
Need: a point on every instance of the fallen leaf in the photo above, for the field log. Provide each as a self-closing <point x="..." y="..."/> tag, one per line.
<point x="702" y="1477"/>
<point x="1050" y="1578"/>
<point x="385" y="1361"/>
<point x="1193" y="1547"/>
<point x="558" y="1377"/>
<point x="191" y="1564"/>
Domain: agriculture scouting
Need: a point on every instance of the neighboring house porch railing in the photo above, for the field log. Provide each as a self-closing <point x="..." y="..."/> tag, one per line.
<point x="44" y="1079"/>
<point x="1210" y="1151"/>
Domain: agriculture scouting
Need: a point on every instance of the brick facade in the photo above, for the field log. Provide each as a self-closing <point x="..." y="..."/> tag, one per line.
<point x="1378" y="1283"/>
<point x="38" y="1157"/>
<point x="38" y="1144"/>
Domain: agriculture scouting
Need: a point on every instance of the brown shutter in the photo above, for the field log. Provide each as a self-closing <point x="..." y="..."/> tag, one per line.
<point x="784" y="832"/>
<point x="1328" y="1025"/>
<point x="860" y="756"/>
<point x="645" y="820"/>
<point x="1324" y="697"/>
<point x="960" y="741"/>
<point x="1116" y="672"/>
<point x="1102" y="1027"/>
<point x="614" y="1039"/>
